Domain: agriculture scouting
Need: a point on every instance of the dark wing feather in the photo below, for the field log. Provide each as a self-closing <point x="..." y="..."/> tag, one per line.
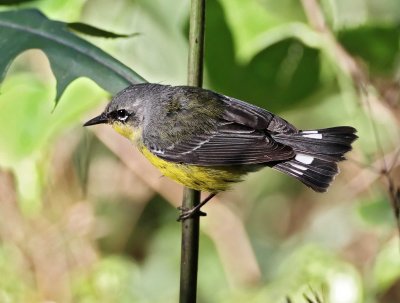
<point x="231" y="144"/>
<point x="255" y="117"/>
<point x="232" y="132"/>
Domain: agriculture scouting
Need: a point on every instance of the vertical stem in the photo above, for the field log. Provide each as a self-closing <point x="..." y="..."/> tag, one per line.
<point x="196" y="43"/>
<point x="189" y="250"/>
<point x="191" y="198"/>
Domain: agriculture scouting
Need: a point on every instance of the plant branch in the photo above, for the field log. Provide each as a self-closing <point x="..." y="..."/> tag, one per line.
<point x="191" y="198"/>
<point x="196" y="43"/>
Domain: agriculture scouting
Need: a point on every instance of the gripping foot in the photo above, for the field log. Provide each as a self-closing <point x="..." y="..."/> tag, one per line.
<point x="190" y="213"/>
<point x="195" y="211"/>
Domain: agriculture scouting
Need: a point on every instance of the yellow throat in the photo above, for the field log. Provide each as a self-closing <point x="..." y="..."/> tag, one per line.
<point x="127" y="131"/>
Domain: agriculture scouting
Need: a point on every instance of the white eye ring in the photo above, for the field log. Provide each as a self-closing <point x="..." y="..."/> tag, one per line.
<point x="122" y="115"/>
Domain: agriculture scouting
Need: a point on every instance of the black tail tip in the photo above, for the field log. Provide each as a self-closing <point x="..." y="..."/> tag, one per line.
<point x="313" y="172"/>
<point x="317" y="154"/>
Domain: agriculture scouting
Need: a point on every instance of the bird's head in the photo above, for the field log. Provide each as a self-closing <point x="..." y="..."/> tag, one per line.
<point x="124" y="112"/>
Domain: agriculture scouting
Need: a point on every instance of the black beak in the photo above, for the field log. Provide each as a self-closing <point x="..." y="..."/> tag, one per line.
<point x="97" y="120"/>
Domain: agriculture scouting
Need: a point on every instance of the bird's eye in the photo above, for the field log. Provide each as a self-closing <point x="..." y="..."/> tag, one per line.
<point x="122" y="115"/>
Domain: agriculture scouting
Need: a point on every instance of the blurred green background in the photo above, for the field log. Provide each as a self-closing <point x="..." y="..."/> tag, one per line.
<point x="84" y="218"/>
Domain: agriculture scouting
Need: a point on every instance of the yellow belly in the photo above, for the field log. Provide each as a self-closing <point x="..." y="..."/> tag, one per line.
<point x="210" y="179"/>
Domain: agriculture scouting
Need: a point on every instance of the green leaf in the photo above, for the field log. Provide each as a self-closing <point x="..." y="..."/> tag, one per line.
<point x="29" y="127"/>
<point x="160" y="50"/>
<point x="278" y="76"/>
<point x="377" y="211"/>
<point x="96" y="32"/>
<point x="26" y="112"/>
<point x="386" y="269"/>
<point x="70" y="56"/>
<point x="378" y="46"/>
<point x="250" y="20"/>
<point x="288" y="10"/>
<point x="13" y="2"/>
<point x="111" y="279"/>
<point x="344" y="14"/>
<point x="14" y="288"/>
<point x="247" y="20"/>
<point x="309" y="269"/>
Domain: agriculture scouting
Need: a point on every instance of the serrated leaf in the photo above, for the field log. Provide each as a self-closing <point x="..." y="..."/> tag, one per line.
<point x="13" y="2"/>
<point x="90" y="30"/>
<point x="70" y="56"/>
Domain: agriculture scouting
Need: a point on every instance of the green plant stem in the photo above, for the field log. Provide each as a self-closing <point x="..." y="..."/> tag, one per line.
<point x="196" y="43"/>
<point x="189" y="250"/>
<point x="191" y="198"/>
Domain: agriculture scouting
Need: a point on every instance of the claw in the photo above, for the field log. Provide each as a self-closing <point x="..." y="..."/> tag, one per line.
<point x="195" y="211"/>
<point x="189" y="213"/>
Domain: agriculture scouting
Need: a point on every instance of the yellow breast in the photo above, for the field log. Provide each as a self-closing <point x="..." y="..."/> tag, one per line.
<point x="210" y="179"/>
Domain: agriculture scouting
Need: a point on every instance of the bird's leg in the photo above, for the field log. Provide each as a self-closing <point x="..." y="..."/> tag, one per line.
<point x="195" y="211"/>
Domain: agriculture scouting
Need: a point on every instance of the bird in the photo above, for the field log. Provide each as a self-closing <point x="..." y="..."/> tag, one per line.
<point x="207" y="141"/>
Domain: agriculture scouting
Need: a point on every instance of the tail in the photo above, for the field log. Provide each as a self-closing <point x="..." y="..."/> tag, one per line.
<point x="317" y="154"/>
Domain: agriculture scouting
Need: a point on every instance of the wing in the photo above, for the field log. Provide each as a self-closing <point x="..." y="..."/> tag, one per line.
<point x="255" y="117"/>
<point x="230" y="144"/>
<point x="239" y="135"/>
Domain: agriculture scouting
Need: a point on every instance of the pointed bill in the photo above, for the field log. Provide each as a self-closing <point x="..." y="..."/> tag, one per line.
<point x="97" y="120"/>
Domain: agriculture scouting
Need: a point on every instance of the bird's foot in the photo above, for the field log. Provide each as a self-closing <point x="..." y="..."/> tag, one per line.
<point x="189" y="213"/>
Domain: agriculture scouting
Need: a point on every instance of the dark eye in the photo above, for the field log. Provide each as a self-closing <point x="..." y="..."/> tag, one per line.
<point x="122" y="114"/>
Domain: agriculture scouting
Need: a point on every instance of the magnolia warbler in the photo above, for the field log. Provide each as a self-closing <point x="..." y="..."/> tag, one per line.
<point x="208" y="141"/>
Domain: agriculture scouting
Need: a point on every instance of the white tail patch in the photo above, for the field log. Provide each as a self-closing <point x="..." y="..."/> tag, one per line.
<point x="305" y="159"/>
<point x="313" y="136"/>
<point x="301" y="167"/>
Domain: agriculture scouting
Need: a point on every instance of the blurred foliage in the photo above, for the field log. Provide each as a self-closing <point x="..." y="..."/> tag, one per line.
<point x="377" y="45"/>
<point x="73" y="233"/>
<point x="283" y="68"/>
<point x="26" y="134"/>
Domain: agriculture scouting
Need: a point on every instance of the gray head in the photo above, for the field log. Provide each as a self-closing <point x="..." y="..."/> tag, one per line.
<point x="129" y="106"/>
